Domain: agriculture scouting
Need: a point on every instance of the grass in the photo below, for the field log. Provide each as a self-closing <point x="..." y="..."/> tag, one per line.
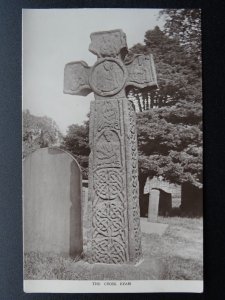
<point x="176" y="255"/>
<point x="180" y="249"/>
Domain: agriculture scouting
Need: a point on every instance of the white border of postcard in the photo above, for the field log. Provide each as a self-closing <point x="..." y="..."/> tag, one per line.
<point x="113" y="286"/>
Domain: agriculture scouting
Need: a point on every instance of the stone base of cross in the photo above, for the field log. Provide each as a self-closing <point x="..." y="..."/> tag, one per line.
<point x="114" y="234"/>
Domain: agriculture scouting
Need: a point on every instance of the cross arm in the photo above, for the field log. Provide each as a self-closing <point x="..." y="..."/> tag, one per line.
<point x="141" y="72"/>
<point x="76" y="78"/>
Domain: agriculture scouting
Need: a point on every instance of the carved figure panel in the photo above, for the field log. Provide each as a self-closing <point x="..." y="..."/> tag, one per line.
<point x="141" y="71"/>
<point x="109" y="115"/>
<point x="107" y="77"/>
<point x="76" y="76"/>
<point x="108" y="43"/>
<point x="107" y="150"/>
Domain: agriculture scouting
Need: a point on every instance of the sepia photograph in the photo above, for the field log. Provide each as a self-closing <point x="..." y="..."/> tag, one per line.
<point x="112" y="150"/>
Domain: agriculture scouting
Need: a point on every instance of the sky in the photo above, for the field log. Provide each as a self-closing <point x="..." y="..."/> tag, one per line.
<point x="54" y="37"/>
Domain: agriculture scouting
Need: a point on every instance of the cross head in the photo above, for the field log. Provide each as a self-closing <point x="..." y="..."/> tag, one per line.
<point x="111" y="74"/>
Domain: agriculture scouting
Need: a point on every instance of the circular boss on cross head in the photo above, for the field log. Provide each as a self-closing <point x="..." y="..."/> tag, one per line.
<point x="107" y="77"/>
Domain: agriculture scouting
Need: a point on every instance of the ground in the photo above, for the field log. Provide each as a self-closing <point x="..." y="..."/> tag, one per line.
<point x="177" y="254"/>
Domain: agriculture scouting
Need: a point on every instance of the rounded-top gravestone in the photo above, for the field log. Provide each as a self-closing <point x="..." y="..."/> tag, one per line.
<point x="52" y="186"/>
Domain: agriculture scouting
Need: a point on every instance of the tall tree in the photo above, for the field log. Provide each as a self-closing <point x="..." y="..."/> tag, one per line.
<point x="170" y="144"/>
<point x="184" y="25"/>
<point x="170" y="134"/>
<point x="39" y="132"/>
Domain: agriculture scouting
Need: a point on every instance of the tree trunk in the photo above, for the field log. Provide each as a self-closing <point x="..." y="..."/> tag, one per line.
<point x="139" y="102"/>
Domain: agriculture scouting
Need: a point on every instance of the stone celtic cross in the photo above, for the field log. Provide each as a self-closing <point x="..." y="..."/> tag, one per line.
<point x="114" y="234"/>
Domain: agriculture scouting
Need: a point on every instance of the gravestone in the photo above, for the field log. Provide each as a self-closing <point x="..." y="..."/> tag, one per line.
<point x="166" y="186"/>
<point x="153" y="207"/>
<point x="52" y="186"/>
<point x="113" y="203"/>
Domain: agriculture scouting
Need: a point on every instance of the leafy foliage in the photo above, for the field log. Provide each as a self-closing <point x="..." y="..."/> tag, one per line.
<point x="39" y="132"/>
<point x="168" y="147"/>
<point x="184" y="25"/>
<point x="76" y="141"/>
<point x="170" y="134"/>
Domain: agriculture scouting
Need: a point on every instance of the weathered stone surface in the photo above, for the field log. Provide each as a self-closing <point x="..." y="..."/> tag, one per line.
<point x="108" y="43"/>
<point x="166" y="186"/>
<point x="141" y="71"/>
<point x="153" y="207"/>
<point x="52" y="202"/>
<point x="110" y="74"/>
<point x="113" y="203"/>
<point x="108" y="192"/>
<point x="76" y="78"/>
